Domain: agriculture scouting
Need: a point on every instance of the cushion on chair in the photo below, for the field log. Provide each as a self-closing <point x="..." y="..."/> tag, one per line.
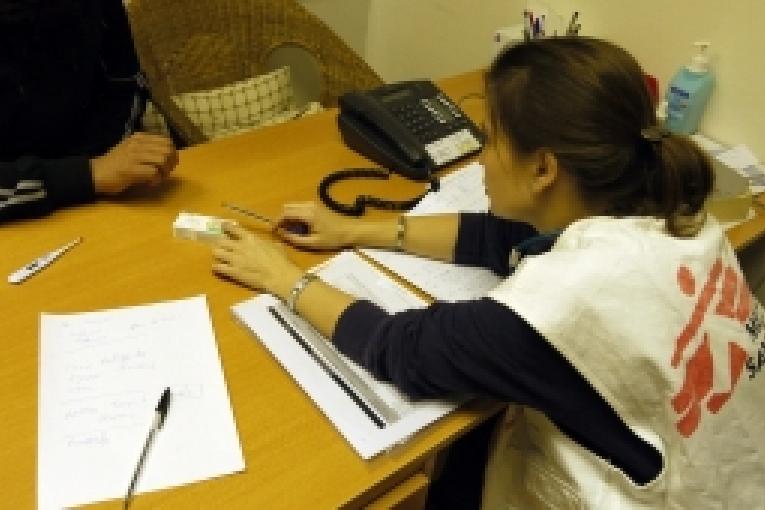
<point x="237" y="107"/>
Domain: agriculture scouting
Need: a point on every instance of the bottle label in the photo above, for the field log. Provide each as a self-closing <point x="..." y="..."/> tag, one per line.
<point x="677" y="101"/>
<point x="680" y="92"/>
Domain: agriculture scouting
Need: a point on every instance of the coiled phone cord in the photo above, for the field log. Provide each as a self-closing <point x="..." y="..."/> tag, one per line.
<point x="359" y="205"/>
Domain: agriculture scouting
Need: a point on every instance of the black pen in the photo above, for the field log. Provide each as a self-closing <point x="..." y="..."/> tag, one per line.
<point x="159" y="419"/>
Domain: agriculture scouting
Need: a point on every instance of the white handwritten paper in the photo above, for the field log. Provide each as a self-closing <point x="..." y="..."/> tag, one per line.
<point x="352" y="274"/>
<point x="101" y="376"/>
<point x="461" y="191"/>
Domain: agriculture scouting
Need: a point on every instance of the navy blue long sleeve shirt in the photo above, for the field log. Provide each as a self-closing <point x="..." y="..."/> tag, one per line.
<point x="484" y="349"/>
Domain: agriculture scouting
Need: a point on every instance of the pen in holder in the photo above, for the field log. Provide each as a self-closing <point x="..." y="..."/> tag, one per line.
<point x="537" y="21"/>
<point x="540" y="20"/>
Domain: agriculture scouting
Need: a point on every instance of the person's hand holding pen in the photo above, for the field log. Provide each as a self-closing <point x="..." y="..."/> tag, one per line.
<point x="326" y="230"/>
<point x="310" y="226"/>
<point x="329" y="230"/>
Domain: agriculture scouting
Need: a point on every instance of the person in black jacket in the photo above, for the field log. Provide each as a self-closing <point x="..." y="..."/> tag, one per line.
<point x="71" y="98"/>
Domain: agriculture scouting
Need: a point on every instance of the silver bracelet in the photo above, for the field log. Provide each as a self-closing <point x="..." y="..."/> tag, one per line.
<point x="400" y="232"/>
<point x="298" y="288"/>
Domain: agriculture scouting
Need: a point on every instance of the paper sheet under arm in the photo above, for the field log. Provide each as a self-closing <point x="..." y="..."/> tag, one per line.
<point x="461" y="191"/>
<point x="352" y="274"/>
<point x="101" y="375"/>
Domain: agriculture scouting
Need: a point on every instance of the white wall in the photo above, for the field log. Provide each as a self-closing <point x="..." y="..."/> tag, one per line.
<point x="660" y="34"/>
<point x="432" y="38"/>
<point x="348" y="18"/>
<point x="405" y="39"/>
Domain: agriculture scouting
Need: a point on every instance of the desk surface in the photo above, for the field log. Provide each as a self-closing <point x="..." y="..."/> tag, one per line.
<point x="294" y="456"/>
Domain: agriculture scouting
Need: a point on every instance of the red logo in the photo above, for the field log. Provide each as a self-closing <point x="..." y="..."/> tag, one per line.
<point x="733" y="300"/>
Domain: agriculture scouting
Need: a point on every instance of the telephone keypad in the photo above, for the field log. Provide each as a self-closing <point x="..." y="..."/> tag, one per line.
<point x="425" y="122"/>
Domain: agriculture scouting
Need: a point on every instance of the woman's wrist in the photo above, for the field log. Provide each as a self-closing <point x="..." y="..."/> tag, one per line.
<point x="381" y="233"/>
<point x="285" y="281"/>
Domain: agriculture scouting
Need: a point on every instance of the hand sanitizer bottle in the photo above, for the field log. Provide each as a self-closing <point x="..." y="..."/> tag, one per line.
<point x="688" y="93"/>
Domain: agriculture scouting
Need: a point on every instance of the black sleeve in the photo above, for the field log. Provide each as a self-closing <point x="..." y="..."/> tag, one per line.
<point x="33" y="187"/>
<point x="482" y="348"/>
<point x="485" y="240"/>
<point x="118" y="52"/>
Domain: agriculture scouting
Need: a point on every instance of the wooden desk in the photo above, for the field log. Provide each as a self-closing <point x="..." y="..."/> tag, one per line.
<point x="295" y="459"/>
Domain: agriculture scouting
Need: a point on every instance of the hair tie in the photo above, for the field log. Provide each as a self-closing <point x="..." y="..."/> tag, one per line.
<point x="654" y="134"/>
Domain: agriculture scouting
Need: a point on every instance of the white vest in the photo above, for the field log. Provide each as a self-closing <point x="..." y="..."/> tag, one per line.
<point x="667" y="332"/>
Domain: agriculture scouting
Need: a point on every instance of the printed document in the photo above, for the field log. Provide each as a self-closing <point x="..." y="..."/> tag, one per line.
<point x="371" y="415"/>
<point x="101" y="374"/>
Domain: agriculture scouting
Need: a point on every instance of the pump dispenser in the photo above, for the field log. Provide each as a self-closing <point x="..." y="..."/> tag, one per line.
<point x="700" y="62"/>
<point x="689" y="92"/>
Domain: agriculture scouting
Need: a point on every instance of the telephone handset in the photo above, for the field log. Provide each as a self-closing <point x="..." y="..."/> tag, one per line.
<point x="410" y="127"/>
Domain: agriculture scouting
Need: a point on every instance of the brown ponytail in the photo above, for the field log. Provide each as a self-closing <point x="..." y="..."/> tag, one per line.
<point x="586" y="101"/>
<point x="682" y="184"/>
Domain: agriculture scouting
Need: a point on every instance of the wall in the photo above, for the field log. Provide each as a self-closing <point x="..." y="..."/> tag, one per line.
<point x="348" y="18"/>
<point x="432" y="38"/>
<point x="435" y="38"/>
<point x="660" y="35"/>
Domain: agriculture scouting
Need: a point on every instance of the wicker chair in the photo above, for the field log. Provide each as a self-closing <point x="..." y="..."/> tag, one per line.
<point x="185" y="46"/>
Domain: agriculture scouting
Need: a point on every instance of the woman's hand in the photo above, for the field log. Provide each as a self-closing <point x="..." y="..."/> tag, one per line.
<point x="309" y="225"/>
<point x="255" y="262"/>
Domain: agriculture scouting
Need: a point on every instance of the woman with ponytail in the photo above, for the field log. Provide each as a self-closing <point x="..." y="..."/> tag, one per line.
<point x="623" y="337"/>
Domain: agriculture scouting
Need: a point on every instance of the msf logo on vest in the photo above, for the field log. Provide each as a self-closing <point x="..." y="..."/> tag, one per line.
<point x="724" y="294"/>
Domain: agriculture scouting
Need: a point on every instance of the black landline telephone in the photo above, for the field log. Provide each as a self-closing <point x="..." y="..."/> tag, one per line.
<point x="410" y="127"/>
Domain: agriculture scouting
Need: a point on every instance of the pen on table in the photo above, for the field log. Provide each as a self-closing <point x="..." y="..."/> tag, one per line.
<point x="159" y="419"/>
<point x="40" y="263"/>
<point x="295" y="227"/>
